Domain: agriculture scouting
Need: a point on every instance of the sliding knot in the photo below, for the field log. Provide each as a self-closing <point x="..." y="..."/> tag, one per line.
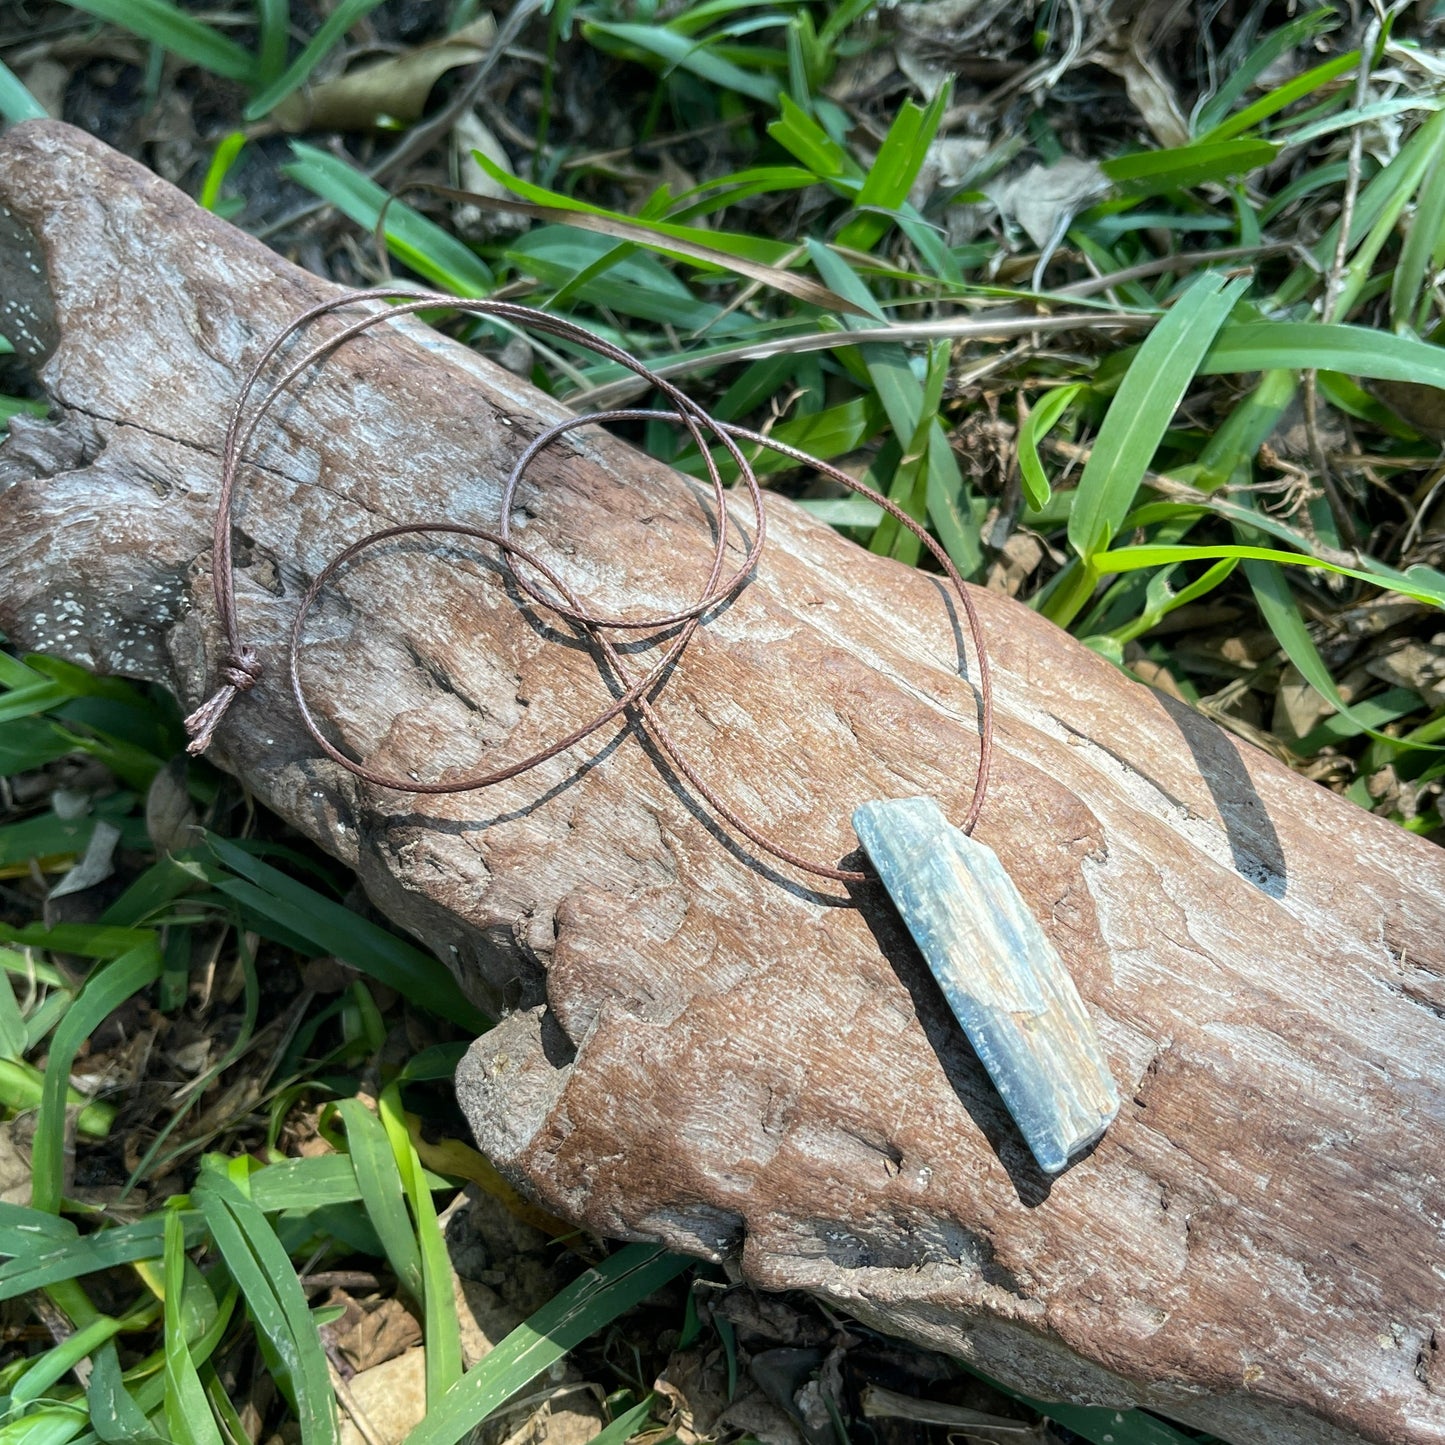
<point x="240" y="670"/>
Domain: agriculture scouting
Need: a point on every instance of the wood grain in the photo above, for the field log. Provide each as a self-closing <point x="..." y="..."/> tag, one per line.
<point x="696" y="1049"/>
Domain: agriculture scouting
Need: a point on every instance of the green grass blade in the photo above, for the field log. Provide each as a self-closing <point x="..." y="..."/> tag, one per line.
<point x="172" y="29"/>
<point x="681" y="52"/>
<point x="652" y="231"/>
<point x="1299" y="31"/>
<point x="14" y="1036"/>
<point x="802" y="137"/>
<point x="1278" y="607"/>
<point x="714" y="251"/>
<point x="891" y="539"/>
<point x="54" y="1426"/>
<point x="1300" y="345"/>
<point x="1101" y="1426"/>
<point x="1381" y="201"/>
<point x="90" y="940"/>
<point x="893" y="172"/>
<point x="30" y="743"/>
<point x="626" y="1425"/>
<point x="316" y="1183"/>
<point x="187" y="1413"/>
<point x="57" y="1362"/>
<point x="1417" y="583"/>
<point x="382" y="1192"/>
<point x="22" y="1085"/>
<point x="114" y="1415"/>
<point x="103" y="993"/>
<point x="580" y="1310"/>
<point x="15" y="673"/>
<point x="299" y="71"/>
<point x="443" y="1338"/>
<point x="1142" y="408"/>
<point x="1409" y="299"/>
<point x="1284" y="95"/>
<point x="1040" y="421"/>
<point x="16" y="103"/>
<point x="827" y="434"/>
<point x="1365" y="115"/>
<point x="55" y="1262"/>
<point x="23" y="1229"/>
<point x="36" y="698"/>
<point x="1375" y="712"/>
<point x="48" y="836"/>
<point x="224" y="158"/>
<point x="273" y="20"/>
<point x="335" y="929"/>
<point x="267" y="1280"/>
<point x="904" y="400"/>
<point x="1155" y="173"/>
<point x="415" y="241"/>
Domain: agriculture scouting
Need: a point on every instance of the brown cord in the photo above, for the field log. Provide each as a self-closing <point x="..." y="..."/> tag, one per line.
<point x="241" y="668"/>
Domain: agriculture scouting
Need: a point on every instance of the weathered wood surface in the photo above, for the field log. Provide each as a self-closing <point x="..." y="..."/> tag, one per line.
<point x="695" y="1052"/>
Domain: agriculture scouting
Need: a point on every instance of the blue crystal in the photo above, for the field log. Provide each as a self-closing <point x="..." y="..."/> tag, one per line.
<point x="1003" y="979"/>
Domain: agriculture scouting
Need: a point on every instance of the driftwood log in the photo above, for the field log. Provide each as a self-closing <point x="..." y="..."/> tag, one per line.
<point x="694" y="1048"/>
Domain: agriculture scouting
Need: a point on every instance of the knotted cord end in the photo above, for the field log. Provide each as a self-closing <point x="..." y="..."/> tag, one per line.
<point x="240" y="671"/>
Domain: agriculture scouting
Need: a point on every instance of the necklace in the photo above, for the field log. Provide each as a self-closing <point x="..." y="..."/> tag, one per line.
<point x="1003" y="979"/>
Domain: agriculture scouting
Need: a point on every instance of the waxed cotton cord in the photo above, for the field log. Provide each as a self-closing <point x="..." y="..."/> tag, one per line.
<point x="240" y="666"/>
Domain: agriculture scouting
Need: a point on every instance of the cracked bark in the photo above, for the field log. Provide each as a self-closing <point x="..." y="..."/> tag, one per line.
<point x="698" y="1050"/>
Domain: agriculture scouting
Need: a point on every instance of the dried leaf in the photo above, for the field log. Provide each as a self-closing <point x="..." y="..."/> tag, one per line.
<point x="1044" y="199"/>
<point x="395" y="89"/>
<point x="170" y="818"/>
<point x="471" y="133"/>
<point x="1151" y="94"/>
<point x="1015" y="564"/>
<point x="1415" y="664"/>
<point x="95" y="865"/>
<point x="391" y="1398"/>
<point x="1422" y="406"/>
<point x="1298" y="708"/>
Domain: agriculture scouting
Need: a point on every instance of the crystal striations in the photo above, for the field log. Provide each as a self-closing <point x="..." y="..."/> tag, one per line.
<point x="1003" y="979"/>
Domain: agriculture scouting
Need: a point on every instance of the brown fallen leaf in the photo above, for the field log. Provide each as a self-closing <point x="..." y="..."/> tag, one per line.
<point x="1422" y="406"/>
<point x="394" y="89"/>
<point x="1015" y="564"/>
<point x="471" y="133"/>
<point x="370" y="1335"/>
<point x="1417" y="664"/>
<point x="170" y="818"/>
<point x="1150" y="93"/>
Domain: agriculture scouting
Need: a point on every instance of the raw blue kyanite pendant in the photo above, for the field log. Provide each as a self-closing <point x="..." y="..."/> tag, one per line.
<point x="1003" y="979"/>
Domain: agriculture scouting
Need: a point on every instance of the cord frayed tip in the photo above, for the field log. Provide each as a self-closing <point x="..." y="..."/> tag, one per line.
<point x="202" y="724"/>
<point x="240" y="671"/>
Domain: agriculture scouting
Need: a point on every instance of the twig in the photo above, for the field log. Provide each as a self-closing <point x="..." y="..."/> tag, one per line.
<point x="365" y="1428"/>
<point x="1184" y="261"/>
<point x="1417" y="522"/>
<point x="962" y="328"/>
